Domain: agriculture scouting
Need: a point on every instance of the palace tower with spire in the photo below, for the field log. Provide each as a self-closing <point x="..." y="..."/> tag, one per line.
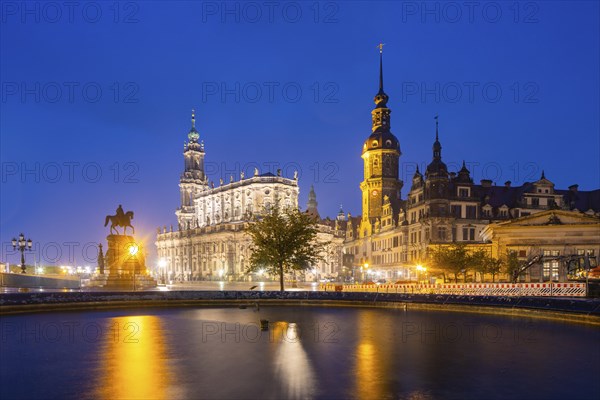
<point x="381" y="155"/>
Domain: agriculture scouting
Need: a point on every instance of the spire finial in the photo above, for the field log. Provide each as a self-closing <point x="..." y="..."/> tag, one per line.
<point x="380" y="46"/>
<point x="193" y="135"/>
<point x="436" y="127"/>
<point x="543" y="175"/>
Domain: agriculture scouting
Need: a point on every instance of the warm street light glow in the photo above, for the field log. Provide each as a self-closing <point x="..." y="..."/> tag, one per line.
<point x="162" y="262"/>
<point x="133" y="249"/>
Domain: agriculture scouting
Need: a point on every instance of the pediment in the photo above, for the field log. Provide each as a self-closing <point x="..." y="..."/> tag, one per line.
<point x="553" y="217"/>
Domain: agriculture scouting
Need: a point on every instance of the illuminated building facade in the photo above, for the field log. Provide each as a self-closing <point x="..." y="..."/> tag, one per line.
<point x="210" y="240"/>
<point x="393" y="235"/>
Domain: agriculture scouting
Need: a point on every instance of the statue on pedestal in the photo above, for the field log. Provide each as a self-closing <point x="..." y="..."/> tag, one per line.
<point x="124" y="259"/>
<point x="122" y="219"/>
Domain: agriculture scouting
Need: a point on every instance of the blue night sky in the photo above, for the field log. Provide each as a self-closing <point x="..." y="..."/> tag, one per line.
<point x="516" y="89"/>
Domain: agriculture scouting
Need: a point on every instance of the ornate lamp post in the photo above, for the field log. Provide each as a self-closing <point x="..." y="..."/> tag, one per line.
<point x="22" y="245"/>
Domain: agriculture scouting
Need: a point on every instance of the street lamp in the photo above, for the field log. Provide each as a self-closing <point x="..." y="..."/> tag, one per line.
<point x="22" y="245"/>
<point x="162" y="264"/>
<point x="420" y="269"/>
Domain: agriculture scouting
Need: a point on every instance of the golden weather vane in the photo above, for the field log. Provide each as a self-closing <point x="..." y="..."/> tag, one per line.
<point x="380" y="46"/>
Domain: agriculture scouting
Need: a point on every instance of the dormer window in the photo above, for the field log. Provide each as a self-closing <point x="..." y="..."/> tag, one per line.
<point x="374" y="144"/>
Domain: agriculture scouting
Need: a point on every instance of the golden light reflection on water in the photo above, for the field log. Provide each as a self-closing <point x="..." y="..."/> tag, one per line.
<point x="373" y="360"/>
<point x="133" y="360"/>
<point x="293" y="368"/>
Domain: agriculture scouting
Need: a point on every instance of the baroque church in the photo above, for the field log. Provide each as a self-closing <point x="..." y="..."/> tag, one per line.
<point x="393" y="236"/>
<point x="209" y="242"/>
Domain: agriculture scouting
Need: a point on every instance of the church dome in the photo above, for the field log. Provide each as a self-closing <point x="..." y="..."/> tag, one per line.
<point x="437" y="168"/>
<point x="381" y="139"/>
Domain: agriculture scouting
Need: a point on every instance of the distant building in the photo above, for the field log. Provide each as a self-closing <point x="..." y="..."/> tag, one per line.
<point x="393" y="235"/>
<point x="210" y="242"/>
<point x="551" y="233"/>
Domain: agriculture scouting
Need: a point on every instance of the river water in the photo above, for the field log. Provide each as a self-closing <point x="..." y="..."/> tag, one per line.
<point x="308" y="352"/>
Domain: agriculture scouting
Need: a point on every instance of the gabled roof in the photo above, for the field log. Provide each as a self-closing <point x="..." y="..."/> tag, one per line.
<point x="551" y="217"/>
<point x="581" y="200"/>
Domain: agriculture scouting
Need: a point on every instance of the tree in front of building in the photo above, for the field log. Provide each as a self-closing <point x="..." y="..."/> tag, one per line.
<point x="485" y="264"/>
<point x="284" y="241"/>
<point x="452" y="260"/>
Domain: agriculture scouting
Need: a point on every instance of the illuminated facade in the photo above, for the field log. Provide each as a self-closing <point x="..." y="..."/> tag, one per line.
<point x="209" y="241"/>
<point x="441" y="207"/>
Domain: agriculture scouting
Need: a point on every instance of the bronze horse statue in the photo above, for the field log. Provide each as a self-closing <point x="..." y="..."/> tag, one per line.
<point x="123" y="221"/>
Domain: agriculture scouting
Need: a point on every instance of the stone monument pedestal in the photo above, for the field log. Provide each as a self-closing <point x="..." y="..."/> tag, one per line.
<point x="126" y="264"/>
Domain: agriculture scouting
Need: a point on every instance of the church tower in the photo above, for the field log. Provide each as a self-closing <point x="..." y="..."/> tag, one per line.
<point x="381" y="155"/>
<point x="193" y="179"/>
<point x="437" y="183"/>
<point x="311" y="205"/>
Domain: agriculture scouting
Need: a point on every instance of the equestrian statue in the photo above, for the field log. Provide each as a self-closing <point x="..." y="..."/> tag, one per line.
<point x="122" y="219"/>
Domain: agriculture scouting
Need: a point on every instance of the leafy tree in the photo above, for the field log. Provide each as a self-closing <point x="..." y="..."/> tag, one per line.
<point x="479" y="261"/>
<point x="513" y="265"/>
<point x="494" y="267"/>
<point x="452" y="259"/>
<point x="483" y="263"/>
<point x="284" y="241"/>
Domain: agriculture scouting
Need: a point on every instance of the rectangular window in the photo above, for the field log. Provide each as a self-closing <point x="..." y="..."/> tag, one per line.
<point x="441" y="233"/>
<point x="535" y="201"/>
<point x="472" y="212"/>
<point x="468" y="233"/>
<point x="550" y="271"/>
<point x="463" y="192"/>
<point x="456" y="211"/>
<point x="550" y="267"/>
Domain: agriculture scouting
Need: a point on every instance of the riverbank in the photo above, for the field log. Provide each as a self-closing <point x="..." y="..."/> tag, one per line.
<point x="585" y="310"/>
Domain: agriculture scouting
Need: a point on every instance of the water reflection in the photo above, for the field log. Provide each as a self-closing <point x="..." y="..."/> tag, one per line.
<point x="293" y="368"/>
<point x="373" y="360"/>
<point x="133" y="360"/>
